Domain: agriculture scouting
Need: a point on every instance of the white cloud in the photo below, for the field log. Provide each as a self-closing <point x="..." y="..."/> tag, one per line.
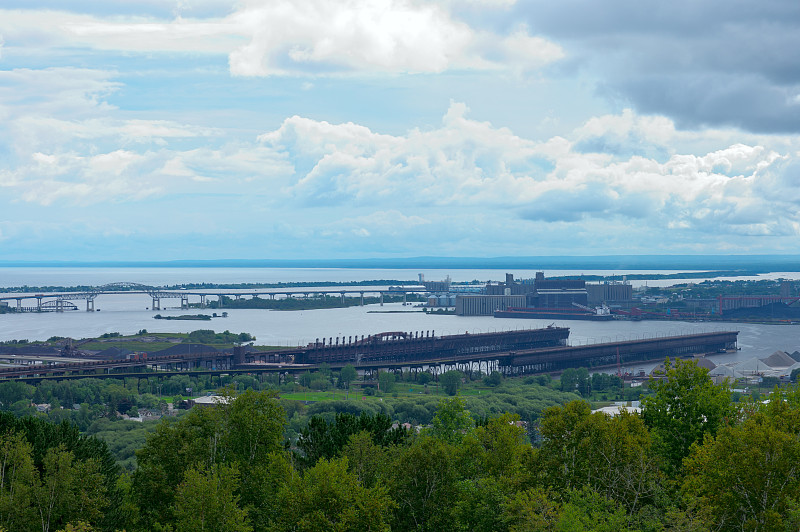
<point x="469" y="164"/>
<point x="383" y="35"/>
<point x="51" y="28"/>
<point x="468" y="178"/>
<point x="374" y="36"/>
<point x="63" y="91"/>
<point x="315" y="37"/>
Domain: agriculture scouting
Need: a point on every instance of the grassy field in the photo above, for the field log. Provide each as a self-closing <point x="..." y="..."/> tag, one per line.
<point x="152" y="342"/>
<point x="130" y="345"/>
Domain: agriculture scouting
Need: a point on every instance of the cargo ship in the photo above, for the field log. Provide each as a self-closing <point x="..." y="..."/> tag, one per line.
<point x="581" y="313"/>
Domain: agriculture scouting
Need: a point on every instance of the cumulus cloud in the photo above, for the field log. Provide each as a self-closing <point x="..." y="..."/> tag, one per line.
<point x="468" y="179"/>
<point x="69" y="147"/>
<point x="384" y="36"/>
<point x="317" y="37"/>
<point x="464" y="164"/>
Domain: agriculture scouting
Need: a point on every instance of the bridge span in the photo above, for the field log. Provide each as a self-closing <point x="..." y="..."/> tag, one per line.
<point x="512" y="353"/>
<point x="61" y="301"/>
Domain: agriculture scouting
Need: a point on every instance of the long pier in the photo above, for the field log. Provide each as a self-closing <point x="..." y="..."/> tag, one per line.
<point x="512" y="353"/>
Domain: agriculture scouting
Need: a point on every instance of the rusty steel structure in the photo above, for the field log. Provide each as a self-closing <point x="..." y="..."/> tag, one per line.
<point x="402" y="347"/>
<point x="610" y="354"/>
<point x="512" y="353"/>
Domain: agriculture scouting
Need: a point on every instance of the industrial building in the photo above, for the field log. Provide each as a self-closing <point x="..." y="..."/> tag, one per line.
<point x="485" y="305"/>
<point x="610" y="293"/>
<point x="543" y="293"/>
<point x="510" y="287"/>
<point x="557" y="293"/>
<point x="530" y="293"/>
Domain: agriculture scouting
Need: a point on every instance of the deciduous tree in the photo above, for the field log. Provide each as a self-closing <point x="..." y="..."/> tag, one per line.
<point x="328" y="497"/>
<point x="686" y="406"/>
<point x="207" y="501"/>
<point x="451" y="381"/>
<point x="18" y="477"/>
<point x="747" y="477"/>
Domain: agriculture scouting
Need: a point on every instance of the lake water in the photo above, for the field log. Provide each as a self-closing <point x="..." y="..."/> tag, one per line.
<point x="127" y="314"/>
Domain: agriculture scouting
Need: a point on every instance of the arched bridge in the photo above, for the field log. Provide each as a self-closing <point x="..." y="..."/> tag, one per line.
<point x="59" y="301"/>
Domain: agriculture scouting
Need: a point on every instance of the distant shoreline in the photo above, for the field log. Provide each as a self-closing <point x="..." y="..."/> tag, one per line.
<point x="757" y="263"/>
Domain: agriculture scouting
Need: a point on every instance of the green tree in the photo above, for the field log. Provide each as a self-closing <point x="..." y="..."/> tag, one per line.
<point x="452" y="420"/>
<point x="69" y="490"/>
<point x="424" y="482"/>
<point x="18" y="478"/>
<point x="305" y="379"/>
<point x="13" y="391"/>
<point x="78" y="526"/>
<point x="206" y="501"/>
<point x="747" y="477"/>
<point x="478" y="505"/>
<point x="531" y="510"/>
<point x="245" y="432"/>
<point x="576" y="380"/>
<point x="611" y="455"/>
<point x="588" y="510"/>
<point x="319" y="383"/>
<point x="347" y="375"/>
<point x="369" y="461"/>
<point x="686" y="405"/>
<point x="494" y="379"/>
<point x="328" y="497"/>
<point x="386" y="381"/>
<point x="323" y="439"/>
<point x="451" y="381"/>
<point x="497" y="447"/>
<point x="44" y="436"/>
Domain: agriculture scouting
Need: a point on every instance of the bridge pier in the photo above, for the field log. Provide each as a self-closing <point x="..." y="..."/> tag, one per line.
<point x="184" y="302"/>
<point x="156" y="303"/>
<point x="39" y="303"/>
<point x="202" y="301"/>
<point x="90" y="304"/>
<point x="19" y="303"/>
<point x="362" y="299"/>
<point x="381" y="298"/>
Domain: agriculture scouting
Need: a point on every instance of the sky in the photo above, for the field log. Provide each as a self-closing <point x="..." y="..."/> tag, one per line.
<point x="277" y="129"/>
